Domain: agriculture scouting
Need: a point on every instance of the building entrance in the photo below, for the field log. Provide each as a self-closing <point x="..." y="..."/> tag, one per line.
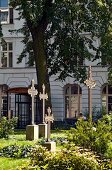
<point x="23" y="109"/>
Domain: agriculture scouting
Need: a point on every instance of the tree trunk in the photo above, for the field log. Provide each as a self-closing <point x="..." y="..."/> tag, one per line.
<point x="38" y="33"/>
<point x="41" y="67"/>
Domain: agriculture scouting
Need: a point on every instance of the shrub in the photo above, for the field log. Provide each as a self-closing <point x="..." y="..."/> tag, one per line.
<point x="108" y="153"/>
<point x="62" y="160"/>
<point x="7" y="126"/>
<point x="91" y="135"/>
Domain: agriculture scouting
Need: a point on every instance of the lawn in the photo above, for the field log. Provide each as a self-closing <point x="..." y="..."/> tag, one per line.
<point x="11" y="163"/>
<point x="17" y="139"/>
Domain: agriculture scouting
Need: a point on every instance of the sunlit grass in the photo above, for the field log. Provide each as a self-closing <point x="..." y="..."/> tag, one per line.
<point x="59" y="133"/>
<point x="12" y="164"/>
<point x="19" y="138"/>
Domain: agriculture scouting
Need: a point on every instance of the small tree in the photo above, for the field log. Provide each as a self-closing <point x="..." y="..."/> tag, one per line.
<point x="7" y="126"/>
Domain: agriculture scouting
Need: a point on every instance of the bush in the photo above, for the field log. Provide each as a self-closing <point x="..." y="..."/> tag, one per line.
<point x="91" y="135"/>
<point x="41" y="159"/>
<point x="108" y="153"/>
<point x="7" y="126"/>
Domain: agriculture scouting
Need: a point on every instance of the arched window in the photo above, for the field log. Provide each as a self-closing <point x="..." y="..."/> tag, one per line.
<point x="73" y="100"/>
<point x="107" y="98"/>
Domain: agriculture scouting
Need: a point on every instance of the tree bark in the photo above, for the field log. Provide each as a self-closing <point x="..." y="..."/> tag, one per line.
<point x="41" y="66"/>
<point x="38" y="33"/>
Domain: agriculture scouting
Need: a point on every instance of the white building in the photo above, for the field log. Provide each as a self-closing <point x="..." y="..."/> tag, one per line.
<point x="69" y="98"/>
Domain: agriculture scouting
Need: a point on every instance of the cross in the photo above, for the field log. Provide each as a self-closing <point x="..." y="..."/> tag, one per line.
<point x="90" y="83"/>
<point x="33" y="92"/>
<point x="48" y="119"/>
<point x="44" y="97"/>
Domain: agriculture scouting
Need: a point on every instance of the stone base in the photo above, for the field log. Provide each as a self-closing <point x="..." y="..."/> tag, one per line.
<point x="42" y="130"/>
<point x="32" y="132"/>
<point x="51" y="146"/>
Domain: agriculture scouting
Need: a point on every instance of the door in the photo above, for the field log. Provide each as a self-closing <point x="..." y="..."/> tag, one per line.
<point x="23" y="109"/>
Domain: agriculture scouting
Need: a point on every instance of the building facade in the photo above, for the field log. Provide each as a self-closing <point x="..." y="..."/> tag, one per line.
<point x="69" y="98"/>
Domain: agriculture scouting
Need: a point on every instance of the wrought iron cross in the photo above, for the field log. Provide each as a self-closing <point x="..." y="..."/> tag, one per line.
<point x="44" y="97"/>
<point x="33" y="92"/>
<point x="48" y="119"/>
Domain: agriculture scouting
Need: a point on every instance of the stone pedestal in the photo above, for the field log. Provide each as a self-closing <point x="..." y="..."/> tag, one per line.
<point x="42" y="130"/>
<point x="32" y="132"/>
<point x="51" y="146"/>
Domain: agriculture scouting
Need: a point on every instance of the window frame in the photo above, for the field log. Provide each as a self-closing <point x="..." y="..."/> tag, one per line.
<point x="3" y="11"/>
<point x="106" y="95"/>
<point x="8" y="51"/>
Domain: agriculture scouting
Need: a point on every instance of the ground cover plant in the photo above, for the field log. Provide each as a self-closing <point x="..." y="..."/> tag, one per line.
<point x="11" y="150"/>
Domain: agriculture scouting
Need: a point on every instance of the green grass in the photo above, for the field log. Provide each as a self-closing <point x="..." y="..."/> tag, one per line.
<point x="11" y="164"/>
<point x="19" y="138"/>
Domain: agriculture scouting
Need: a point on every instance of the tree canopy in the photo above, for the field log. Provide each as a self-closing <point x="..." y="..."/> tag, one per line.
<point x="69" y="27"/>
<point x="60" y="34"/>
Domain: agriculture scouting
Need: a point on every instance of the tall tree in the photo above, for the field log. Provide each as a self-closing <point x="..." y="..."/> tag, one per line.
<point x="62" y="31"/>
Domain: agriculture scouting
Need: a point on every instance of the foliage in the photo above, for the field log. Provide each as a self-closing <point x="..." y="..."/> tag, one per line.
<point x="108" y="153"/>
<point x="67" y="28"/>
<point x="7" y="126"/>
<point x="16" y="151"/>
<point x="63" y="125"/>
<point x="91" y="135"/>
<point x="64" y="159"/>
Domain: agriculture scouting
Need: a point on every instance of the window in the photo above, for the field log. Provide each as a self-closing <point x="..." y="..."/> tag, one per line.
<point x="73" y="100"/>
<point x="7" y="54"/>
<point x="107" y="98"/>
<point x="6" y="13"/>
<point x="4" y="16"/>
<point x="3" y="100"/>
<point x="3" y="3"/>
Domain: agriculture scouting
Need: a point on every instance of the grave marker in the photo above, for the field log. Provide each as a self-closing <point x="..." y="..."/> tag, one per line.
<point x="33" y="92"/>
<point x="48" y="119"/>
<point x="90" y="83"/>
<point x="43" y="96"/>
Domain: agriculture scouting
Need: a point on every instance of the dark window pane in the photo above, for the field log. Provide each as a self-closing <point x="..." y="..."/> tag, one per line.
<point x="11" y="15"/>
<point x="10" y="59"/>
<point x="109" y="89"/>
<point x="80" y="90"/>
<point x="10" y="46"/>
<point x="74" y="89"/>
